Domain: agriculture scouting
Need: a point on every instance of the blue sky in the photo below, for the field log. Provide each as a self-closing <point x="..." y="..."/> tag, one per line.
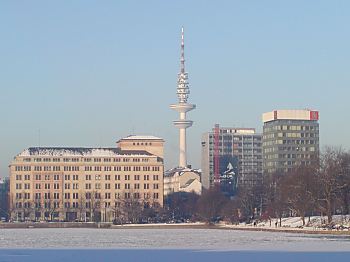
<point x="86" y="73"/>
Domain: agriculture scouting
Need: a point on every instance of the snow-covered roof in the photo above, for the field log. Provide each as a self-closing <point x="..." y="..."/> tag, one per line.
<point x="80" y="151"/>
<point x="133" y="137"/>
<point x="180" y="171"/>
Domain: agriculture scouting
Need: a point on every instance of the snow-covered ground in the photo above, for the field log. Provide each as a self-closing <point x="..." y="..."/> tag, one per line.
<point x="315" y="223"/>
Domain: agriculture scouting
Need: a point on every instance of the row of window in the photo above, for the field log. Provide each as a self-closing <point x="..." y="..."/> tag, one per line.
<point x="75" y="186"/>
<point x="75" y="159"/>
<point x="87" y="168"/>
<point x="87" y="177"/>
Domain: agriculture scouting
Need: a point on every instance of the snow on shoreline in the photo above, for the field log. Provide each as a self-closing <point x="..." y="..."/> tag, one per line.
<point x="314" y="223"/>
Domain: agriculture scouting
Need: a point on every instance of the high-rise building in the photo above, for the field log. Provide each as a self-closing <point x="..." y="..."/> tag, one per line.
<point x="4" y="192"/>
<point x="290" y="139"/>
<point x="182" y="106"/>
<point x="239" y="157"/>
<point x="87" y="184"/>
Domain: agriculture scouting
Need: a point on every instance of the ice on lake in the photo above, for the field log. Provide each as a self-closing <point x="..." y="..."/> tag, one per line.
<point x="193" y="239"/>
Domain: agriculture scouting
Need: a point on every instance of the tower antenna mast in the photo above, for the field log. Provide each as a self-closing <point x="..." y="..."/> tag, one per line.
<point x="182" y="106"/>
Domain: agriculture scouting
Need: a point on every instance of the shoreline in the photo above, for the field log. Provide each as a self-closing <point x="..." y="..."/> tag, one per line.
<point x="315" y="231"/>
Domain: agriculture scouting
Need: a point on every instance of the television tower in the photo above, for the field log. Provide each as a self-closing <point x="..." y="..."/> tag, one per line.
<point x="182" y="106"/>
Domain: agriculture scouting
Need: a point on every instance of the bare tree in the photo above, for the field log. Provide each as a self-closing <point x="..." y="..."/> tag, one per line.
<point x="93" y="205"/>
<point x="82" y="207"/>
<point x="181" y="205"/>
<point x="132" y="207"/>
<point x="344" y="179"/>
<point x="210" y="204"/>
<point x="274" y="196"/>
<point x="330" y="182"/>
<point x="300" y="190"/>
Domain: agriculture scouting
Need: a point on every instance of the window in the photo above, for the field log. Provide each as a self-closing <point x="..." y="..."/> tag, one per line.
<point x="137" y="195"/>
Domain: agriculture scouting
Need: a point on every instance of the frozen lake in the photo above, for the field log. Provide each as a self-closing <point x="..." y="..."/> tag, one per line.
<point x="158" y="244"/>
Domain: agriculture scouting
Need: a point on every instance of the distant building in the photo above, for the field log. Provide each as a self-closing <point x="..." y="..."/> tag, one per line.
<point x="86" y="183"/>
<point x="290" y="138"/>
<point x="4" y="192"/>
<point x="182" y="180"/>
<point x="240" y="157"/>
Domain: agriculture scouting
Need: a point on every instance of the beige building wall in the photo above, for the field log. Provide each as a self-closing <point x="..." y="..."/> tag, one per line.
<point x="151" y="144"/>
<point x="80" y="183"/>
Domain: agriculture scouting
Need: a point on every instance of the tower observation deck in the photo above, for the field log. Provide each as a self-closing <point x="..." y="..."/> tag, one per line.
<point x="182" y="106"/>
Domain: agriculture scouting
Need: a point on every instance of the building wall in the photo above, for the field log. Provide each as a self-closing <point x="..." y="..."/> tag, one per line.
<point x="80" y="186"/>
<point x="194" y="187"/>
<point x="206" y="166"/>
<point x="242" y="143"/>
<point x="4" y="192"/>
<point x="178" y="182"/>
<point x="153" y="145"/>
<point x="290" y="142"/>
<point x="171" y="184"/>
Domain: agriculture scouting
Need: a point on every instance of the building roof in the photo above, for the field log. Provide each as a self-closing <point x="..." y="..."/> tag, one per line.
<point x="180" y="171"/>
<point x="80" y="151"/>
<point x="133" y="137"/>
<point x="303" y="114"/>
<point x="189" y="182"/>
